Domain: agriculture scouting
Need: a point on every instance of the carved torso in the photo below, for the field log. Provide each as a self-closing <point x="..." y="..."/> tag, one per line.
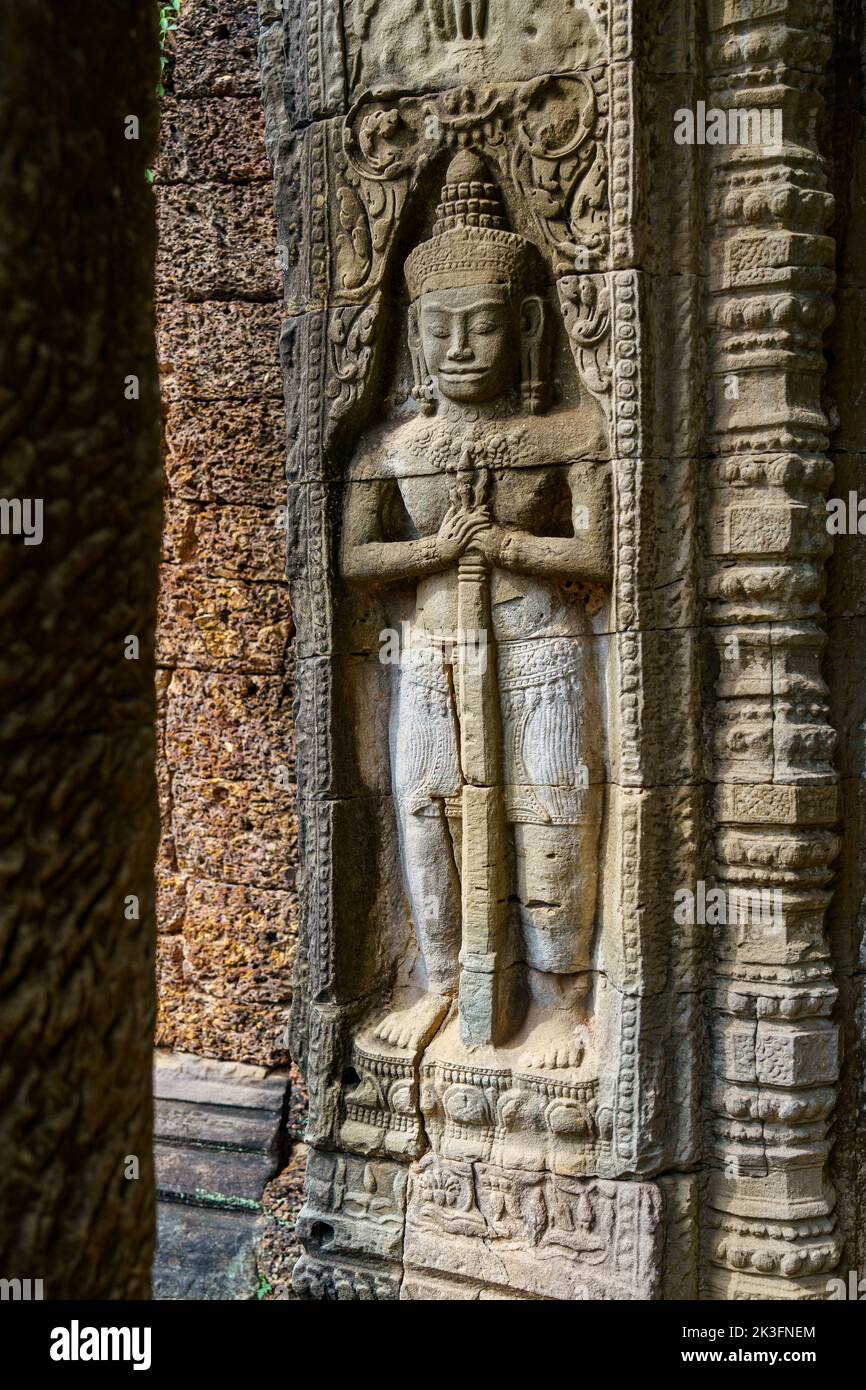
<point x="540" y="469"/>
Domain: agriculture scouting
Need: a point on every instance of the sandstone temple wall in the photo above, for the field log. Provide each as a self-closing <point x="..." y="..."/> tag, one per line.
<point x="226" y="868"/>
<point x="683" y="364"/>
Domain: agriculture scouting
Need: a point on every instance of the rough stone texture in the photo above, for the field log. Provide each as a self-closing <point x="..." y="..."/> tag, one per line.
<point x="227" y="905"/>
<point x="279" y="1247"/>
<point x="216" y="50"/>
<point x="76" y="730"/>
<point x="846" y="607"/>
<point x="775" y="1041"/>
<point x="206" y="1255"/>
<point x="519" y="1052"/>
<point x="220" y="1138"/>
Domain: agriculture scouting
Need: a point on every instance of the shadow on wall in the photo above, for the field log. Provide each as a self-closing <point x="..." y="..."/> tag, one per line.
<point x="80" y="446"/>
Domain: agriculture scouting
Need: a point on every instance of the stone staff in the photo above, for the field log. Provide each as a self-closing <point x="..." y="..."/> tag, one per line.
<point x="484" y="908"/>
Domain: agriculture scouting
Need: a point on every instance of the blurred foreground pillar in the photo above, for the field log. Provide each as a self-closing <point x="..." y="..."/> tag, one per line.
<point x="79" y="540"/>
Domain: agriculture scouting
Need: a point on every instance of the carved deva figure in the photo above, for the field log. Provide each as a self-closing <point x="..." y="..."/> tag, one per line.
<point x="494" y="519"/>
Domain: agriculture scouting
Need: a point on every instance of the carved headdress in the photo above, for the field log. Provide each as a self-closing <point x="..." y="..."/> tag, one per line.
<point x="471" y="242"/>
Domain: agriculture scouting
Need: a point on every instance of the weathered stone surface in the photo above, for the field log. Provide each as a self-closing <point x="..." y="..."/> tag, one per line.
<point x="183" y="1077"/>
<point x="78" y="798"/>
<point x="279" y="1249"/>
<point x="216" y="51"/>
<point x="770" y="265"/>
<point x="170" y="892"/>
<point x="218" y="1177"/>
<point x="554" y="376"/>
<point x="220" y="1139"/>
<point x="234" y="830"/>
<point x="206" y="1255"/>
<point x="227" y="855"/>
<point x="226" y="451"/>
<point x="231" y="725"/>
<point x="216" y="243"/>
<point x="227" y="1125"/>
<point x="227" y="542"/>
<point x="211" y="140"/>
<point x="218" y="352"/>
<point x="211" y="1027"/>
<point x="239" y="943"/>
<point x="472" y="1227"/>
<point x="222" y="624"/>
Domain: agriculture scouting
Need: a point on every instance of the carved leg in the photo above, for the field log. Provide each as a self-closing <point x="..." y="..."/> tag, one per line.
<point x="556" y="883"/>
<point x="556" y="874"/>
<point x="433" y="889"/>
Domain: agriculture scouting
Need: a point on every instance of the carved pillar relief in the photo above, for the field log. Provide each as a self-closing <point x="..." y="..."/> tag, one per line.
<point x="770" y="1230"/>
<point x="494" y="345"/>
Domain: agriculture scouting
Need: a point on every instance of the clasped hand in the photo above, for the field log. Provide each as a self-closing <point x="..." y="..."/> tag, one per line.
<point x="473" y="529"/>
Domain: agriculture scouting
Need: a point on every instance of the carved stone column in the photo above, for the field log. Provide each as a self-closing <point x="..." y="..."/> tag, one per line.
<point x="505" y="292"/>
<point x="770" y="1230"/>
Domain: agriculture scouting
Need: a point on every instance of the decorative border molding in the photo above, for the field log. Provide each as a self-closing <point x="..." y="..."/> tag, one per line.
<point x="769" y="1229"/>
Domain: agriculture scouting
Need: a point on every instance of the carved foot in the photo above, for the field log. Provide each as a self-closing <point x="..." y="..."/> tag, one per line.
<point x="560" y="1054"/>
<point x="410" y="1026"/>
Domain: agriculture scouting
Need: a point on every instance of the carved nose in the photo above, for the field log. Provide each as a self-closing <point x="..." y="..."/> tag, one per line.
<point x="459" y="351"/>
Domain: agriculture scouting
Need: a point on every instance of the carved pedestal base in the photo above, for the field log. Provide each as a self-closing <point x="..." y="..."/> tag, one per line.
<point x="528" y="1235"/>
<point x="352" y="1228"/>
<point x="381" y="1113"/>
<point x="447" y="1230"/>
<point x="485" y="1104"/>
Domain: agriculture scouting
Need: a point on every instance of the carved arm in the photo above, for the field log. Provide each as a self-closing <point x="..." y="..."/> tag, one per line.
<point x="587" y="553"/>
<point x="365" y="557"/>
<point x="557" y="557"/>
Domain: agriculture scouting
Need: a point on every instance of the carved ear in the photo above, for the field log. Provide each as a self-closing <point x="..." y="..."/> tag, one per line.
<point x="532" y="317"/>
<point x="423" y="388"/>
<point x="414" y="328"/>
<point x="533" y="383"/>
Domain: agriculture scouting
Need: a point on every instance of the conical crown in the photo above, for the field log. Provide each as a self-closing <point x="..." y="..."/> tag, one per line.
<point x="471" y="242"/>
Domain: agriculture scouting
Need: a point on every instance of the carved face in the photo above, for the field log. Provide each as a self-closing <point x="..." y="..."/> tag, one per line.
<point x="470" y="338"/>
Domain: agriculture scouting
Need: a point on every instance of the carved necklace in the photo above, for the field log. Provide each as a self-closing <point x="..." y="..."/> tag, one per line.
<point x="457" y="430"/>
<point x="500" y="409"/>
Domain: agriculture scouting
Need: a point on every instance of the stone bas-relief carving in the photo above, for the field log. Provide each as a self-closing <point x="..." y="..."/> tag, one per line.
<point x="428" y="42"/>
<point x="446" y="1230"/>
<point x="497" y="427"/>
<point x="496" y="727"/>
